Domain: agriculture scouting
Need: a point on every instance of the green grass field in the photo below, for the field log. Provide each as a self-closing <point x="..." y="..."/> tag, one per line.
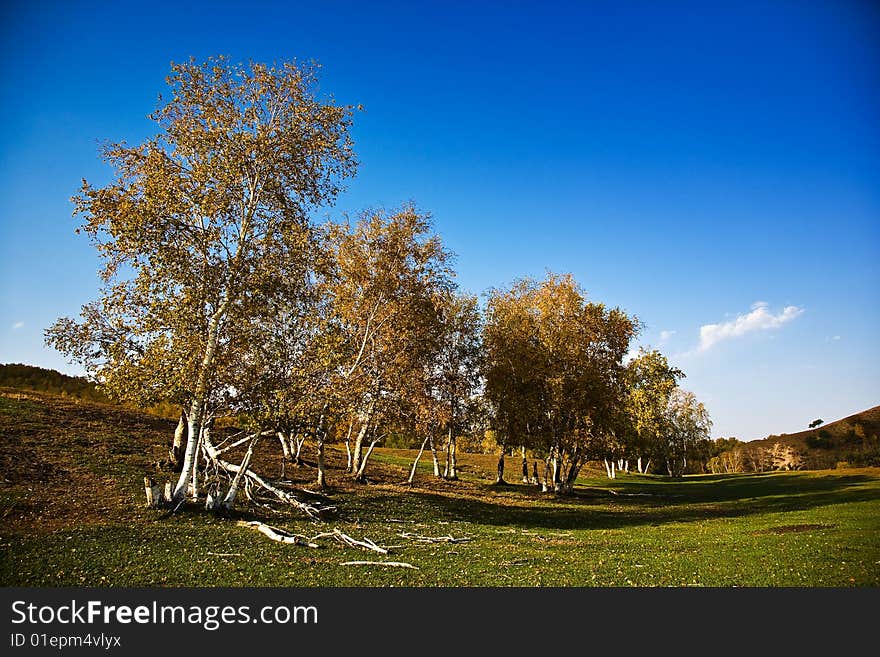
<point x="71" y="513"/>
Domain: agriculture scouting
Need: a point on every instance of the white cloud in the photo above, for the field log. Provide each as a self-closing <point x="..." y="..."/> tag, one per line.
<point x="836" y="337"/>
<point x="758" y="319"/>
<point x="665" y="335"/>
<point x="18" y="325"/>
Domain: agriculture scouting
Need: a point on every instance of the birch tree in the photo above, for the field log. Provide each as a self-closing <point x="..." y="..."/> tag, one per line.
<point x="687" y="423"/>
<point x="513" y="371"/>
<point x="456" y="369"/>
<point x="194" y="225"/>
<point x="651" y="383"/>
<point x="286" y="379"/>
<point x="555" y="373"/>
<point x="390" y="271"/>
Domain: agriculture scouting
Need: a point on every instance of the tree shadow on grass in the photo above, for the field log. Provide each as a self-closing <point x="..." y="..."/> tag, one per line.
<point x="595" y="508"/>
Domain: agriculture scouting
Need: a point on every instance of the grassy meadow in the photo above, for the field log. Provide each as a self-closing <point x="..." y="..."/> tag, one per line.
<point x="72" y="513"/>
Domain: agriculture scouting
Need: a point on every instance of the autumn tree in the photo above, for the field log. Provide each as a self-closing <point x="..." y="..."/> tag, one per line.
<point x="452" y="374"/>
<point x="512" y="367"/>
<point x="559" y="374"/>
<point x="650" y="384"/>
<point x="202" y="229"/>
<point x="391" y="269"/>
<point x="584" y="345"/>
<point x="286" y="373"/>
<point x="687" y="423"/>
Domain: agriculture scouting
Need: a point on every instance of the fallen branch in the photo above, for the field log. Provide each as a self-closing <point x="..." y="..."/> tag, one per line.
<point x="351" y="542"/>
<point x="283" y="536"/>
<point x="311" y="510"/>
<point x="433" y="539"/>
<point x="393" y="564"/>
<point x="278" y="535"/>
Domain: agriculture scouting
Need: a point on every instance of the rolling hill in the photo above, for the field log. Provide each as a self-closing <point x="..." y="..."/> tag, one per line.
<point x="39" y="379"/>
<point x="853" y="440"/>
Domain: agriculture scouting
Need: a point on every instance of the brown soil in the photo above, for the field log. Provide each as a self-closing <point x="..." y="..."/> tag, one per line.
<point x="66" y="462"/>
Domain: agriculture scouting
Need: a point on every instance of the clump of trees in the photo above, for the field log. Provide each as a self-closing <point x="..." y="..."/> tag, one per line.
<point x="733" y="456"/>
<point x="29" y="377"/>
<point x="558" y="386"/>
<point x="851" y="442"/>
<point x="222" y="296"/>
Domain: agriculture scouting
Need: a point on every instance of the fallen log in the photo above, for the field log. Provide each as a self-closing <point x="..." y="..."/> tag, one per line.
<point x="279" y="535"/>
<point x="393" y="564"/>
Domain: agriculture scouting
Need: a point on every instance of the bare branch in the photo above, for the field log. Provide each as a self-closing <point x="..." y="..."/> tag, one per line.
<point x="393" y="564"/>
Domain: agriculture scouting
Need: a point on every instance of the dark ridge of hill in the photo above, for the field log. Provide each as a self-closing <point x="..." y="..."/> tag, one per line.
<point x="853" y="440"/>
<point x="18" y="376"/>
<point x="39" y="379"/>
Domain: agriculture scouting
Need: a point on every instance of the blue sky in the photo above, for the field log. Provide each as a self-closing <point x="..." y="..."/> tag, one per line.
<point x="711" y="169"/>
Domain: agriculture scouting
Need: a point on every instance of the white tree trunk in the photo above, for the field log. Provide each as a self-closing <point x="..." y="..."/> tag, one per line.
<point x="610" y="468"/>
<point x="200" y="393"/>
<point x="192" y="441"/>
<point x="434" y="456"/>
<point x="285" y="453"/>
<point x="357" y="455"/>
<point x="358" y="451"/>
<point x="229" y="500"/>
<point x="348" y="461"/>
<point x="194" y="477"/>
<point x="412" y="472"/>
<point x="525" y="465"/>
<point x="176" y="452"/>
<point x="320" y="435"/>
<point x="322" y="477"/>
<point x="573" y="473"/>
<point x="639" y="465"/>
<point x="194" y="481"/>
<point x="298" y="441"/>
<point x="451" y="469"/>
<point x="360" y="473"/>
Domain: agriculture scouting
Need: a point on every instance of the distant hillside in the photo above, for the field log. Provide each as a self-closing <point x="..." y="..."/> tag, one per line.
<point x="854" y="440"/>
<point x="29" y="377"/>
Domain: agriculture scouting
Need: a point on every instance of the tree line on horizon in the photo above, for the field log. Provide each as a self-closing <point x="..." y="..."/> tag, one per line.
<point x="221" y="296"/>
<point x="39" y="379"/>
